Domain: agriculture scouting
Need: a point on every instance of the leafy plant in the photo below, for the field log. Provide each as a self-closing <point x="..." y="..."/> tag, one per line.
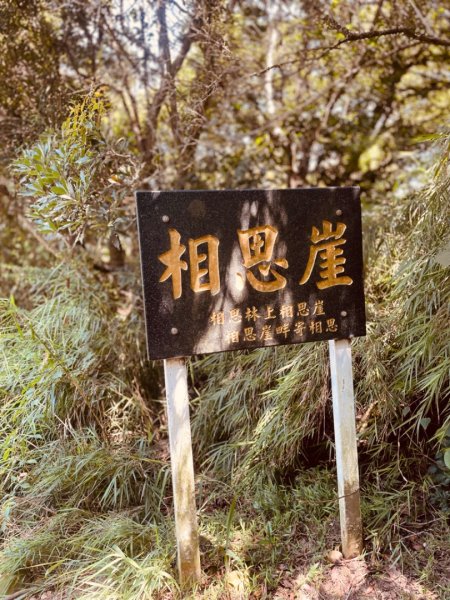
<point x="77" y="179"/>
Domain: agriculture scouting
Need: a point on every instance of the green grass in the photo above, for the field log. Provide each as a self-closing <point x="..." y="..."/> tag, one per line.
<point x="86" y="504"/>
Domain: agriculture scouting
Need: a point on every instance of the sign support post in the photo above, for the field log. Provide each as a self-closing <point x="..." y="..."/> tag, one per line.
<point x="346" y="449"/>
<point x="188" y="554"/>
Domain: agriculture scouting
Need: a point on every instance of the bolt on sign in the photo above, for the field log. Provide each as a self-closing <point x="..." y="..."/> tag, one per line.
<point x="228" y="270"/>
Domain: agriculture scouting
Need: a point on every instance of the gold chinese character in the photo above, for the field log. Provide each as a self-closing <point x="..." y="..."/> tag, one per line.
<point x="287" y="311"/>
<point x="330" y="255"/>
<point x="196" y="259"/>
<point x="283" y="329"/>
<point x="232" y="337"/>
<point x="331" y="325"/>
<point x="236" y="315"/>
<point x="257" y="245"/>
<point x="173" y="262"/>
<point x="299" y="328"/>
<point x="251" y="314"/>
<point x="269" y="312"/>
<point x="249" y="335"/>
<point x="266" y="333"/>
<point x="315" y="327"/>
<point x="217" y="318"/>
<point x="303" y="310"/>
<point x="318" y="308"/>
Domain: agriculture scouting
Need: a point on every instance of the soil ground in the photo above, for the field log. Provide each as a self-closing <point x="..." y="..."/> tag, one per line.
<point x="354" y="580"/>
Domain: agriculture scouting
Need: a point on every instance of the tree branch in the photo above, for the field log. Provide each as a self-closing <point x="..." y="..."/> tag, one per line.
<point x="353" y="37"/>
<point x="153" y="110"/>
<point x="408" y="31"/>
<point x="168" y="71"/>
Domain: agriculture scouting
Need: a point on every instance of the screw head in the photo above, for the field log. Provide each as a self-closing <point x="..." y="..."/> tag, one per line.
<point x="174" y="331"/>
<point x="339" y="212"/>
<point x="343" y="313"/>
<point x="165" y="219"/>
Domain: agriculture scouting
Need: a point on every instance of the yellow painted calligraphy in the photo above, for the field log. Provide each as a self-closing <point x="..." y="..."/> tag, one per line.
<point x="299" y="328"/>
<point x="315" y="327"/>
<point x="266" y="333"/>
<point x="197" y="273"/>
<point x="236" y="315"/>
<point x="287" y="311"/>
<point x="303" y="310"/>
<point x="318" y="308"/>
<point x="257" y="246"/>
<point x="249" y="335"/>
<point x="233" y="337"/>
<point x="173" y="262"/>
<point x="174" y="265"/>
<point x="269" y="313"/>
<point x="331" y="325"/>
<point x="217" y="318"/>
<point x="326" y="246"/>
<point x="251" y="314"/>
<point x="283" y="330"/>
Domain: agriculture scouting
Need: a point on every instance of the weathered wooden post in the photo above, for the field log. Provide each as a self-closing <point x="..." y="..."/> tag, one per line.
<point x="346" y="449"/>
<point x="188" y="555"/>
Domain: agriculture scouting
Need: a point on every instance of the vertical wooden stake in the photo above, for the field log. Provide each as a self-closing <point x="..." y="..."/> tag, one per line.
<point x="346" y="450"/>
<point x="188" y="555"/>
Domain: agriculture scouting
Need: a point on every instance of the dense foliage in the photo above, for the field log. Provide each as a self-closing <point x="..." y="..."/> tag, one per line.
<point x="101" y="99"/>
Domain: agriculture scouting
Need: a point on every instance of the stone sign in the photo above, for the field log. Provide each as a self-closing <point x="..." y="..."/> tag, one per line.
<point x="228" y="270"/>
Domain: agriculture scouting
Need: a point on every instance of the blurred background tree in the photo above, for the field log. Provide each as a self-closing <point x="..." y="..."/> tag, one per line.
<point x="100" y="98"/>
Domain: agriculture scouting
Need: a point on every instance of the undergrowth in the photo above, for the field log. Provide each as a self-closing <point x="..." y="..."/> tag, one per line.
<point x="86" y="506"/>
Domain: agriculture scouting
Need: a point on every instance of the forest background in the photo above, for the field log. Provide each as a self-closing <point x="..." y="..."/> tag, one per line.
<point x="99" y="98"/>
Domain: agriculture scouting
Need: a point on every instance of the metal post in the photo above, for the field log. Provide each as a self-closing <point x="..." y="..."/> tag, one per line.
<point x="188" y="555"/>
<point x="346" y="449"/>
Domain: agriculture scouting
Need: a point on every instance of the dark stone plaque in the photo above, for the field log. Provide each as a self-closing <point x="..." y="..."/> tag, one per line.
<point x="227" y="270"/>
